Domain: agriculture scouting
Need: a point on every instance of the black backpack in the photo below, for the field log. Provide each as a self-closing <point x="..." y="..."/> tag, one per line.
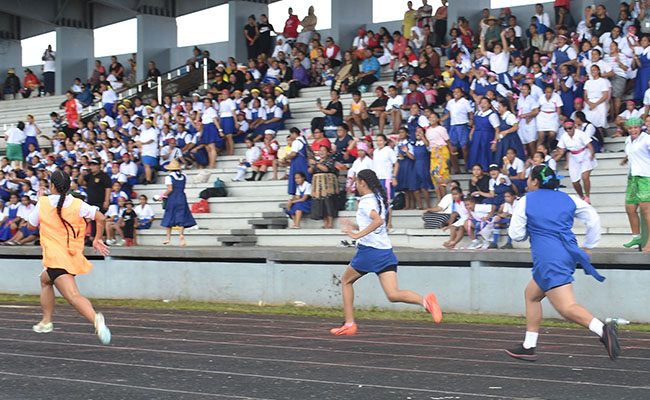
<point x="399" y="202"/>
<point x="213" y="192"/>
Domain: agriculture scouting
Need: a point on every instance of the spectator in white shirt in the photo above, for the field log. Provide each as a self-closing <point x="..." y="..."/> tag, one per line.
<point x="393" y="109"/>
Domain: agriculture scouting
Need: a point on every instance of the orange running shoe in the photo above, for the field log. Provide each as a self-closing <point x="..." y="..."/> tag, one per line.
<point x="344" y="330"/>
<point x="431" y="304"/>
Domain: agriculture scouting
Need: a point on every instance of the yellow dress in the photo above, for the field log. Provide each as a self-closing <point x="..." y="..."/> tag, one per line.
<point x="409" y="22"/>
<point x="439" y="165"/>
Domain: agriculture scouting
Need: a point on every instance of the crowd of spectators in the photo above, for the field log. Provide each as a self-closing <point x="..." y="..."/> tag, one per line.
<point x="511" y="98"/>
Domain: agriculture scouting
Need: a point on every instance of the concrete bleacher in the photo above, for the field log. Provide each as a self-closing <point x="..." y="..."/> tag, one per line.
<point x="249" y="200"/>
<point x="12" y="111"/>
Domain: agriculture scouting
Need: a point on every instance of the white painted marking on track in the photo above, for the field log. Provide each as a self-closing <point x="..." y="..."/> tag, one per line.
<point x="56" y="378"/>
<point x="17" y="306"/>
<point x="228" y="373"/>
<point x="337" y="365"/>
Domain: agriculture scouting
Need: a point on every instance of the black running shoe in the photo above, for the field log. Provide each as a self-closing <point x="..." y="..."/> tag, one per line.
<point x="610" y="340"/>
<point x="507" y="246"/>
<point x="493" y="246"/>
<point x="522" y="353"/>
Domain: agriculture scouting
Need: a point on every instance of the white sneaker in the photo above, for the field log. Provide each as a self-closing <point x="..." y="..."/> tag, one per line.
<point x="192" y="228"/>
<point x="485" y="245"/>
<point x="475" y="244"/>
<point x="110" y="242"/>
<point x="235" y="179"/>
<point x="103" y="333"/>
<point x="120" y="242"/>
<point x="43" y="328"/>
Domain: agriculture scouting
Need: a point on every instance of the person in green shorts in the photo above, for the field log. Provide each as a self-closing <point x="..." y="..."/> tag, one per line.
<point x="637" y="153"/>
<point x="15" y="138"/>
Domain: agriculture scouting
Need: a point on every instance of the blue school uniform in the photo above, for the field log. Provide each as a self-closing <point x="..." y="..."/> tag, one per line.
<point x="519" y="183"/>
<point x="422" y="166"/>
<point x="5" y="229"/>
<point x="412" y="125"/>
<point x="211" y="135"/>
<point x="299" y="164"/>
<point x="567" y="97"/>
<point x="550" y="215"/>
<point x="304" y="206"/>
<point x="500" y="190"/>
<point x="32" y="140"/>
<point x="480" y="151"/>
<point x="177" y="211"/>
<point x="270" y="114"/>
<point x="643" y="74"/>
<point x="510" y="140"/>
<point x="405" y="172"/>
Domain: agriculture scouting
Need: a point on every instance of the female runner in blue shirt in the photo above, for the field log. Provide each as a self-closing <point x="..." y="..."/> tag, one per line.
<point x="375" y="254"/>
<point x="546" y="216"/>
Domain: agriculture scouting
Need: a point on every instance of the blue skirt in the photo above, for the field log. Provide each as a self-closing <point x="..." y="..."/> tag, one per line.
<point x="144" y="224"/>
<point x="27" y="232"/>
<point x="370" y="259"/>
<point x="520" y="184"/>
<point x="200" y="156"/>
<point x="304" y="206"/>
<point x="423" y="174"/>
<point x="211" y="135"/>
<point x="298" y="164"/>
<point x="406" y="175"/>
<point x="28" y="141"/>
<point x="480" y="151"/>
<point x="228" y="125"/>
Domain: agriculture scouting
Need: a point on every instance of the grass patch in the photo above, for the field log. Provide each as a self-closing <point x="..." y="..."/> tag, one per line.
<point x="373" y="313"/>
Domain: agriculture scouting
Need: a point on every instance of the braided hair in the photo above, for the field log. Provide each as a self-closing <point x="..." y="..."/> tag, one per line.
<point x="370" y="178"/>
<point x="546" y="177"/>
<point x="61" y="182"/>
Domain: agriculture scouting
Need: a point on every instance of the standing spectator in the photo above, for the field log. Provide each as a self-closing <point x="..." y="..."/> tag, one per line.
<point x="325" y="189"/>
<point x="291" y="27"/>
<point x="97" y="71"/>
<point x="48" y="70"/>
<point x="148" y="145"/>
<point x="637" y="152"/>
<point x="308" y="27"/>
<point x="153" y="72"/>
<point x="597" y="93"/>
<point x="440" y="24"/>
<point x="177" y="211"/>
<point x="72" y="114"/>
<point x="601" y="23"/>
<point x="252" y="34"/>
<point x="264" y="29"/>
<point x="15" y="137"/>
<point x="461" y="115"/>
<point x="581" y="160"/>
<point x="642" y="65"/>
<point x="98" y="186"/>
<point x="423" y="16"/>
<point x="409" y="20"/>
<point x="437" y="138"/>
<point x="298" y="159"/>
<point x="333" y="52"/>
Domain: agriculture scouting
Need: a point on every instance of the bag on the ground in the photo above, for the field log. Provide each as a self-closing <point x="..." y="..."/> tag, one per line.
<point x="399" y="202"/>
<point x="213" y="192"/>
<point x="202" y="207"/>
<point x="202" y="177"/>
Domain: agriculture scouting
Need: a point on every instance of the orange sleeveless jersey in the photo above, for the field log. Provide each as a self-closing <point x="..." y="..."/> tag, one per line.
<point x="56" y="253"/>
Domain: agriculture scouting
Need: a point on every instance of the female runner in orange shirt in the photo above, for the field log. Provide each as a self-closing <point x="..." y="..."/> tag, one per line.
<point x="62" y="220"/>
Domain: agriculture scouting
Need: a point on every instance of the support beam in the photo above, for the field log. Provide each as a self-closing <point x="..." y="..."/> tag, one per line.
<point x="347" y="17"/>
<point x="156" y="37"/>
<point x="74" y="48"/>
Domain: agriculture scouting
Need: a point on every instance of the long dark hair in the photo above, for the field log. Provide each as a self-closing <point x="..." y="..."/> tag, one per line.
<point x="370" y="178"/>
<point x="61" y="182"/>
<point x="546" y="177"/>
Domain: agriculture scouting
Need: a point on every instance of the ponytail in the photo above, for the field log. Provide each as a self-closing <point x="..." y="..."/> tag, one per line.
<point x="369" y="176"/>
<point x="546" y="177"/>
<point x="61" y="182"/>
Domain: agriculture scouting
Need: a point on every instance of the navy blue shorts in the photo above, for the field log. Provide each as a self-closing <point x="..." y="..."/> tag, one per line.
<point x="369" y="259"/>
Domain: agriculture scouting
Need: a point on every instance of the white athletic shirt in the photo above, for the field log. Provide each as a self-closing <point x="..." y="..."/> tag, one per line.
<point x="378" y="238"/>
<point x="383" y="162"/>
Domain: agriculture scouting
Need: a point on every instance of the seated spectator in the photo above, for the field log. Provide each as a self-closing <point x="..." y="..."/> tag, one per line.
<point x="479" y="221"/>
<point x="359" y="44"/>
<point x="333" y="114"/>
<point x="333" y="52"/>
<point x="145" y="213"/>
<point x="253" y="155"/>
<point x="12" y="83"/>
<point x="502" y="220"/>
<point x="30" y="83"/>
<point x="358" y="114"/>
<point x="347" y="74"/>
<point x="301" y="202"/>
<point x="281" y="46"/>
<point x="299" y="80"/>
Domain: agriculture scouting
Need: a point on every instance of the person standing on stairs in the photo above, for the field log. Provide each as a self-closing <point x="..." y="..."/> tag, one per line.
<point x="177" y="211"/>
<point x="637" y="153"/>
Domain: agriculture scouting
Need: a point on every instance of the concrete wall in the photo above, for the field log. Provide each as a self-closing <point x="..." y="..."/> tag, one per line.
<point x="11" y="58"/>
<point x="156" y="38"/>
<point x="74" y="48"/>
<point x="476" y="287"/>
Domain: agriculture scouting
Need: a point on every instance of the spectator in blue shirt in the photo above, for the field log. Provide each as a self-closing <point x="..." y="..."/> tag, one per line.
<point x="86" y="96"/>
<point x="369" y="70"/>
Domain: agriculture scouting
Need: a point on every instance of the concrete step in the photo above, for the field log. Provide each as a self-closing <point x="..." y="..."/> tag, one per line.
<point x="226" y="205"/>
<point x="201" y="237"/>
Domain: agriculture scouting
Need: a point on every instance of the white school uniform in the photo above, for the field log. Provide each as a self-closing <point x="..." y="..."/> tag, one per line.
<point x="548" y="118"/>
<point x="595" y="89"/>
<point x="580" y="159"/>
<point x="378" y="238"/>
<point x="144" y="213"/>
<point x="527" y="130"/>
<point x="459" y="110"/>
<point x="383" y="162"/>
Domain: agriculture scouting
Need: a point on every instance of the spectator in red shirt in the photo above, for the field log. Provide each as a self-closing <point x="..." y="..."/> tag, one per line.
<point x="30" y="83"/>
<point x="414" y="97"/>
<point x="291" y="27"/>
<point x="333" y="52"/>
<point x="466" y="33"/>
<point x="72" y="114"/>
<point x="558" y="4"/>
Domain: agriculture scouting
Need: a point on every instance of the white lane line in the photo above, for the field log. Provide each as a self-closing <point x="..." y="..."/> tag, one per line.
<point x="330" y="339"/>
<point x="56" y="378"/>
<point x="271" y="377"/>
<point x="329" y="350"/>
<point x="328" y="364"/>
<point x="306" y="330"/>
<point x="219" y="315"/>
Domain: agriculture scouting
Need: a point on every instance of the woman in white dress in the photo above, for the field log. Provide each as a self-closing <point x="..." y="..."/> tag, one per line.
<point x="527" y="110"/>
<point x="548" y="119"/>
<point x="580" y="157"/>
<point x="597" y="93"/>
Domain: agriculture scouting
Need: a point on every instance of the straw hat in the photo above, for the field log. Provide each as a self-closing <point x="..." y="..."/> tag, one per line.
<point x="173" y="166"/>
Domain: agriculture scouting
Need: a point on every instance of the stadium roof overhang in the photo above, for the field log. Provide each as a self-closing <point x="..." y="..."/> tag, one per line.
<point x="20" y="19"/>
